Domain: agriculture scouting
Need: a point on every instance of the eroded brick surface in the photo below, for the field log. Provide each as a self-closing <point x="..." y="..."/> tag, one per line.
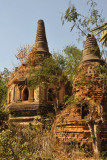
<point x="90" y="94"/>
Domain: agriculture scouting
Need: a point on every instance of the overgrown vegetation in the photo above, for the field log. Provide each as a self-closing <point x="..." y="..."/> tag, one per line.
<point x="25" y="143"/>
<point x="56" y="71"/>
<point x="72" y="57"/>
<point x="36" y="141"/>
<point x="4" y="75"/>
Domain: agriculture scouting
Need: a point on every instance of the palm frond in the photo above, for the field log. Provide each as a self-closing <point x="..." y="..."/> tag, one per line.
<point x="104" y="38"/>
<point x="100" y="27"/>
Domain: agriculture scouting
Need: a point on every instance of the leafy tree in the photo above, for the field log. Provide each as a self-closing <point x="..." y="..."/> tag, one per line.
<point x="73" y="57"/>
<point x="49" y="73"/>
<point x="3" y="96"/>
<point x="3" y="89"/>
<point x="83" y="23"/>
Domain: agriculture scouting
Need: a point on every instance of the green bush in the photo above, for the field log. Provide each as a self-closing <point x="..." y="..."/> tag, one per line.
<point x="29" y="143"/>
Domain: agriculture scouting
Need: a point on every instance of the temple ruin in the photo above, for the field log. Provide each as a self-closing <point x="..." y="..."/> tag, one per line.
<point x="85" y="121"/>
<point x="22" y="101"/>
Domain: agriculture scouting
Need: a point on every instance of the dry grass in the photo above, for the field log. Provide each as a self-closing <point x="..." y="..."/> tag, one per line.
<point x="35" y="143"/>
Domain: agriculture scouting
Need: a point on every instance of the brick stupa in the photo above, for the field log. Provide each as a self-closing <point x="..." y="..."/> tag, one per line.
<point x="23" y="102"/>
<point x="80" y="120"/>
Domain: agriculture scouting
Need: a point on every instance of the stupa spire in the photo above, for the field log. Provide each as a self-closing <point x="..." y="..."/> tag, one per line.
<point x="91" y="49"/>
<point x="41" y="41"/>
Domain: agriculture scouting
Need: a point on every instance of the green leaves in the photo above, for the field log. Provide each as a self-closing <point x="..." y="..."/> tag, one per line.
<point x="71" y="14"/>
<point x="54" y="69"/>
<point x="83" y="22"/>
<point x="72" y="58"/>
<point x="3" y="90"/>
<point x="49" y="72"/>
<point x="3" y="116"/>
<point x="25" y="144"/>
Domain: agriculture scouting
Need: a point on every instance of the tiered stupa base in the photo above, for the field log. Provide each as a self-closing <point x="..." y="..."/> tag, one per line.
<point x="22" y="113"/>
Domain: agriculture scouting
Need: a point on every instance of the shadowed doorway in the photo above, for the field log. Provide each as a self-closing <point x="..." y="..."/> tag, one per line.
<point x="85" y="111"/>
<point x="25" y="94"/>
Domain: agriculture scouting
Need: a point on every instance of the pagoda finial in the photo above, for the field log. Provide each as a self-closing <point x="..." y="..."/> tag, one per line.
<point x="91" y="49"/>
<point x="41" y="41"/>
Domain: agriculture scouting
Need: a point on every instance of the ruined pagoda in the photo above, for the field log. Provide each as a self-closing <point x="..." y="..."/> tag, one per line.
<point x="23" y="102"/>
<point x="85" y="121"/>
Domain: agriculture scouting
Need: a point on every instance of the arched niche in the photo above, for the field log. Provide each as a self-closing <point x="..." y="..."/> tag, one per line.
<point x="85" y="110"/>
<point x="25" y="94"/>
<point x="50" y="94"/>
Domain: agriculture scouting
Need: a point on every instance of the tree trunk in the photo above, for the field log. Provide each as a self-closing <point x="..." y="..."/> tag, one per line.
<point x="96" y="139"/>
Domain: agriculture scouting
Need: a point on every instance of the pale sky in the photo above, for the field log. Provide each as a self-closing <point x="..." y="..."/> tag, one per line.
<point x="18" y="24"/>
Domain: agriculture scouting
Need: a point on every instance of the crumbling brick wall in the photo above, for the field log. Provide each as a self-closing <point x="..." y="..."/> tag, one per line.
<point x="89" y="90"/>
